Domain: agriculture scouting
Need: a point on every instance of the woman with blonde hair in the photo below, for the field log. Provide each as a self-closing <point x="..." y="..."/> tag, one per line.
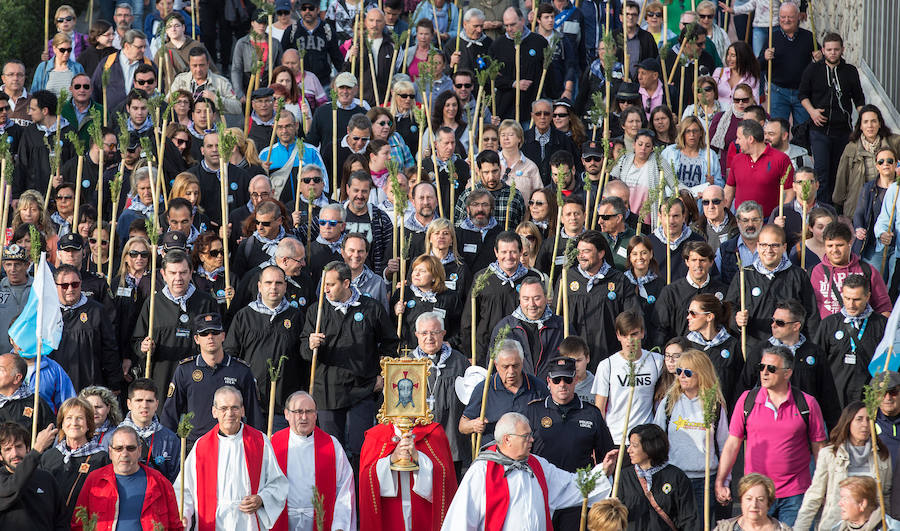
<point x="859" y="506"/>
<point x="426" y="292"/>
<point x="246" y="154"/>
<point x="523" y="171"/>
<point x="681" y="416"/>
<point x="107" y="414"/>
<point x="607" y="515"/>
<point x="757" y="494"/>
<point x="849" y="453"/>
<point x="440" y="242"/>
<point x="403" y="99"/>
<point x="75" y="454"/>
<point x="187" y="186"/>
<point x="130" y="287"/>
<point x="31" y="210"/>
<point x="56" y="73"/>
<point x="695" y="168"/>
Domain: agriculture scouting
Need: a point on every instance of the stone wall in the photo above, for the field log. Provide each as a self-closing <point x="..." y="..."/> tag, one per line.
<point x="843" y="16"/>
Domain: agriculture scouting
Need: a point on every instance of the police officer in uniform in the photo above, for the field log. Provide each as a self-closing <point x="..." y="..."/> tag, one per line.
<point x="197" y="378"/>
<point x="567" y="432"/>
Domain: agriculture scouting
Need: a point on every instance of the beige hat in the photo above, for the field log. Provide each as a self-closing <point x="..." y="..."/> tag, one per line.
<point x="345" y="79"/>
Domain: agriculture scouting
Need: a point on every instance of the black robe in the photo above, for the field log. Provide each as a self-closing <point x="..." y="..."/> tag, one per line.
<point x="21" y="411"/>
<point x="172" y="333"/>
<point x="475" y="249"/>
<point x="811" y="375"/>
<point x="494" y="303"/>
<point x="210" y="193"/>
<point x="648" y="305"/>
<point x="447" y="303"/>
<point x="69" y="476"/>
<point x="69" y="172"/>
<point x="443" y="181"/>
<point x="348" y="361"/>
<point x="248" y="255"/>
<point x="548" y="254"/>
<point x="32" y="168"/>
<point x="30" y="498"/>
<point x="88" y="351"/>
<point x="761" y="294"/>
<point x="679" y="267"/>
<point x="216" y="290"/>
<point x="539" y="345"/>
<point x="593" y="313"/>
<point x="259" y="339"/>
<point x="531" y="54"/>
<point x="672" y="307"/>
<point x="317" y="257"/>
<point x="850" y="367"/>
<point x="128" y="303"/>
<point x="728" y="360"/>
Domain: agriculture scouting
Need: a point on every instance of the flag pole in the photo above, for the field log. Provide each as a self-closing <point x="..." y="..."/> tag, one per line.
<point x="37" y="367"/>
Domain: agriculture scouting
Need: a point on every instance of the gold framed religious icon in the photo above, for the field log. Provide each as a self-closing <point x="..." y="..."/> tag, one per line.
<point x="405" y="398"/>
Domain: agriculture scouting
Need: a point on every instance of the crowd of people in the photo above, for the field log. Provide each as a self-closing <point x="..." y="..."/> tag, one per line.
<point x="637" y="243"/>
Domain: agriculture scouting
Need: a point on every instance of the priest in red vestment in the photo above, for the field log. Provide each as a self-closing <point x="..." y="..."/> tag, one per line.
<point x="310" y="457"/>
<point x="410" y="501"/>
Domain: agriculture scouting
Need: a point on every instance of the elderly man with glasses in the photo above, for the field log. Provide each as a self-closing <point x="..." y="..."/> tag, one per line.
<point x="13" y="86"/>
<point x="78" y="109"/>
<point x="716" y="222"/>
<point x="121" y="66"/>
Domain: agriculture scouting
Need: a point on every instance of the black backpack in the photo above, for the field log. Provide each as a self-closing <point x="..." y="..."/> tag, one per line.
<point x="799" y="400"/>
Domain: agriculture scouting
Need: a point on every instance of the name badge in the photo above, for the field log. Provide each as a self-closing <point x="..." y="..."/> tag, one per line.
<point x="182" y="332"/>
<point x="123" y="291"/>
<point x="560" y="260"/>
<point x="470" y="248"/>
<point x="623" y="252"/>
<point x="441" y="312"/>
<point x="451" y="284"/>
<point x="230" y="198"/>
<point x="723" y="237"/>
<point x="850" y="359"/>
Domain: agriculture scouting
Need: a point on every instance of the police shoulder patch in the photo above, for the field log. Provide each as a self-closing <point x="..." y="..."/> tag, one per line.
<point x="171" y="390"/>
<point x="187" y="360"/>
<point x="536" y="401"/>
<point x="242" y="362"/>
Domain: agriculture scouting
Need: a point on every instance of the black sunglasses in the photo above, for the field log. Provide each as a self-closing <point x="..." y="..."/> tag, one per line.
<point x="532" y="202"/>
<point x="706" y="202"/>
<point x="143" y="81"/>
<point x="607" y="217"/>
<point x="406" y="96"/>
<point x="741" y="100"/>
<point x="708" y="88"/>
<point x="686" y="372"/>
<point x="592" y="158"/>
<point x="462" y="85"/>
<point x="68" y="18"/>
<point x="264" y="223"/>
<point x="5" y="108"/>
<point x="768" y="368"/>
<point x="781" y="323"/>
<point x="281" y="13"/>
<point x="560" y="115"/>
<point x="139" y="254"/>
<point x="879" y="161"/>
<point x="209" y="333"/>
<point x="67" y="285"/>
<point x="63" y="197"/>
<point x="307" y="7"/>
<point x="557" y="379"/>
<point x="94" y="241"/>
<point x="79" y="86"/>
<point x="215" y="253"/>
<point x="311" y="180"/>
<point x="654" y="14"/>
<point x="65" y="50"/>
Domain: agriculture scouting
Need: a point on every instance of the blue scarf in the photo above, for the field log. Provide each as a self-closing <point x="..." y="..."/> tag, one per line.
<point x="210" y="275"/>
<point x="520" y="315"/>
<point x="648" y="474"/>
<point x="520" y="272"/>
<point x="721" y="337"/>
<point x="81" y="302"/>
<point x="148" y="123"/>
<point x="269" y="245"/>
<point x="427" y="296"/>
<point x="142" y="209"/>
<point x="24" y="391"/>
<point x="447" y="259"/>
<point x="467" y="224"/>
<point x="856" y="320"/>
<point x="783" y="265"/>
<point x="151" y="428"/>
<point x="596" y="277"/>
<point x="641" y="282"/>
<point x="335" y="247"/>
<point x="89" y="448"/>
<point x="413" y="224"/>
<point x="793" y="348"/>
<point x="180" y="301"/>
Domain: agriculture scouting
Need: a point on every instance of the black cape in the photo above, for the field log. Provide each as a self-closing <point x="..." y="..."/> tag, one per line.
<point x="88" y="351"/>
<point x="672" y="307"/>
<point x="849" y="366"/>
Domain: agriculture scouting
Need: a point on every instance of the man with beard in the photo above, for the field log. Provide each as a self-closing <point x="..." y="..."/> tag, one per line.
<point x="672" y="218"/>
<point x="770" y="279"/>
<point x="476" y="233"/>
<point x="260" y="246"/>
<point x="671" y="310"/>
<point x="354" y="251"/>
<point x="366" y="219"/>
<point x="32" y="499"/>
<point x="209" y="172"/>
<point x="290" y="256"/>
<point x="749" y="221"/>
<point x="488" y="165"/>
<point x="265" y="331"/>
<point x="534" y="325"/>
<point x="286" y="161"/>
<point x="597" y="293"/>
<point x="444" y="156"/>
<point x="499" y="297"/>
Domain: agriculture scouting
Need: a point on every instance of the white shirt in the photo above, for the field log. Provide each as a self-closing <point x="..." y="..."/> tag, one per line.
<point x="526" y="500"/>
<point x="234" y="484"/>
<point x="301" y="465"/>
<point x="611" y="381"/>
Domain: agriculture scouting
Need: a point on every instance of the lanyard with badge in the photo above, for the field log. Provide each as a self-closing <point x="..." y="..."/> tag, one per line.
<point x="850" y="359"/>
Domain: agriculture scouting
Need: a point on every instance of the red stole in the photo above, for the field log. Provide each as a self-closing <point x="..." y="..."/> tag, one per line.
<point x="497" y="494"/>
<point x="326" y="472"/>
<point x="206" y="454"/>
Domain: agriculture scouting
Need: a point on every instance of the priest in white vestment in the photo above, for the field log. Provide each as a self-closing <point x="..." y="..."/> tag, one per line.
<point x="507" y="488"/>
<point x="250" y="489"/>
<point x="310" y="457"/>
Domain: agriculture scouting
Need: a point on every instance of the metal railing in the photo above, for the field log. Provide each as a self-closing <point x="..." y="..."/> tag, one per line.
<point x="880" y="51"/>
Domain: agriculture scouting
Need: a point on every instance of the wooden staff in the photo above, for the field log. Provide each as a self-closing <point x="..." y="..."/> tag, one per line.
<point x="518" y="46"/>
<point x="5" y="196"/>
<point x="355" y="42"/>
<point x="677" y="59"/>
<point x="369" y="54"/>
<point x="404" y="252"/>
<point x="812" y="25"/>
<point x="459" y="17"/>
<point x="184" y="430"/>
<point x="769" y="63"/>
<point x="270" y="58"/>
<point x="223" y="188"/>
<point x="315" y="353"/>
<point x="437" y="31"/>
<point x="37" y="373"/>
<point x="246" y="106"/>
<point x="509" y="201"/>
<point x="631" y="380"/>
<point x="115" y="189"/>
<point x="804" y="197"/>
<point x="501" y="337"/>
<point x="99" y="231"/>
<point x="555" y="244"/>
<point x="727" y="12"/>
<point x="301" y="149"/>
<point x="668" y="242"/>
<point x="47" y="44"/>
<point x="625" y="74"/>
<point x="274" y="375"/>
<point x="884" y="252"/>
<point x="599" y="195"/>
<point x="681" y="92"/>
<point x="387" y="93"/>
<point x="153" y="276"/>
<point x="781" y="192"/>
<point x="335" y="192"/>
<point x="564" y="291"/>
<point x="279" y="105"/>
<point x="743" y="303"/>
<point x="405" y="50"/>
<point x="303" y="90"/>
<point x="710" y="403"/>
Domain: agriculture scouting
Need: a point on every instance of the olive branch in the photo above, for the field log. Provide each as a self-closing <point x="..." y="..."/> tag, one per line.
<point x="480" y="283"/>
<point x="35" y="237"/>
<point x="88" y="522"/>
<point x="185" y="427"/>
<point x="152" y="233"/>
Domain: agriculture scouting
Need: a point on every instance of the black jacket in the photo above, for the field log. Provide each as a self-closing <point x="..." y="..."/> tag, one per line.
<point x="447" y="303"/>
<point x="32" y="169"/>
<point x="30" y="498"/>
<point x="210" y="191"/>
<point x="849" y="365"/>
<point x="301" y="292"/>
<point x="575" y="435"/>
<point x="469" y="51"/>
<point x="443" y="180"/>
<point x="477" y="251"/>
<point x="539" y="345"/>
<point x="88" y="350"/>
<point x="648" y="47"/>
<point x="728" y="360"/>
<point x="838" y="99"/>
<point x="321" y="45"/>
<point x="672" y="491"/>
<point x="531" y="53"/>
<point x="559" y="141"/>
<point x="21" y="411"/>
<point x="69" y="476"/>
<point x="672" y="306"/>
<point x="679" y="267"/>
<point x="382" y="68"/>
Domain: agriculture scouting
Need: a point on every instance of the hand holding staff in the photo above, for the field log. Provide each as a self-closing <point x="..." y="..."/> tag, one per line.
<point x="274" y="370"/>
<point x="184" y="430"/>
<point x="153" y="236"/>
<point x="498" y="342"/>
<point x="227" y="141"/>
<point x="6" y="171"/>
<point x="517" y="40"/>
<point x="335" y="192"/>
<point x="805" y="189"/>
<point x="279" y="106"/>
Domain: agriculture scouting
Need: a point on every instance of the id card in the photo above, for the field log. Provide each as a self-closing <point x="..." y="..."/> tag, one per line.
<point x="850" y="359"/>
<point x="470" y="248"/>
<point x="182" y="332"/>
<point x="124" y="291"/>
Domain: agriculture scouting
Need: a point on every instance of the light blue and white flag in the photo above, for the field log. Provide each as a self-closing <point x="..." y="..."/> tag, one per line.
<point x="41" y="319"/>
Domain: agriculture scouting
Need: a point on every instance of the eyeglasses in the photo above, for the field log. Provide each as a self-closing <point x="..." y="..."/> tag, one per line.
<point x="406" y="96"/>
<point x="64" y="50"/>
<point x="309" y="180"/>
<point x="893" y="391"/>
<point x="259" y="195"/>
<point x="462" y="85"/>
<point x="206" y="333"/>
<point x="139" y="254"/>
<point x="65" y="197"/>
<point x="302" y="412"/>
<point x="228" y="409"/>
<point x="705" y="17"/>
<point x="66" y="285"/>
<point x="885" y="161"/>
<point x="385" y="123"/>
<point x="557" y="379"/>
<point x="14" y="74"/>
<point x="741" y="100"/>
<point x="560" y="115"/>
<point x="79" y="86"/>
<point x="429" y="333"/>
<point x="180" y="141"/>
<point x="127" y="448"/>
<point x="781" y="323"/>
<point x="654" y="14"/>
<point x="329" y="222"/>
<point x="5" y="108"/>
<point x="264" y="223"/>
<point x="592" y="158"/>
<point x="749" y="220"/>
<point x="143" y="82"/>
<point x="768" y="368"/>
<point x="769" y="245"/>
<point x="525" y="436"/>
<point x="534" y="202"/>
<point x="541" y="113"/>
<point x="358" y="138"/>
<point x="68" y="18"/>
<point x="607" y="217"/>
<point x="692" y="313"/>
<point x="706" y="202"/>
<point x="672" y="357"/>
<point x="215" y="253"/>
<point x="686" y="372"/>
<point x="94" y="241"/>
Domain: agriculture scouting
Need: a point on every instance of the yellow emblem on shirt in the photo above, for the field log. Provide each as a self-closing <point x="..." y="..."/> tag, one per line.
<point x="546" y="422"/>
<point x="83" y="317"/>
<point x="197" y="375"/>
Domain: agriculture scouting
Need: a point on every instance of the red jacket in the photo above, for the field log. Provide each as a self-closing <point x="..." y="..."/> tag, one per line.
<point x="100" y="496"/>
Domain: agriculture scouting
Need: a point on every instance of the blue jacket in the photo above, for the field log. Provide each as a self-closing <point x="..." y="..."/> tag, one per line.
<point x="154" y="17"/>
<point x="42" y="73"/>
<point x="56" y="386"/>
<point x="165" y="451"/>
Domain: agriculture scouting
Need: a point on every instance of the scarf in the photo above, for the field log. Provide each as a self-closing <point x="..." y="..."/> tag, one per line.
<point x="859" y="458"/>
<point x="151" y="428"/>
<point x="413" y="224"/>
<point x="259" y="307"/>
<point x="447" y="259"/>
<point x="132" y="281"/>
<point x="438" y="361"/>
<point x="180" y="301"/>
<point x="144" y="210"/>
<point x="793" y="348"/>
<point x="467" y="224"/>
<point x="648" y="474"/>
<point x="520" y="272"/>
<point x="269" y="245"/>
<point x="192" y="237"/>
<point x="259" y="121"/>
<point x="507" y="463"/>
<point x="63" y="123"/>
<point x="81" y="302"/>
<point x="718" y="139"/>
<point x="541" y="224"/>
<point x="783" y="265"/>
<point x="856" y="320"/>
<point x="148" y="123"/>
<point x="641" y="282"/>
<point x="596" y="277"/>
<point x="89" y="448"/>
<point x="379" y="177"/>
<point x="721" y="336"/>
<point x="871" y="147"/>
<point x="427" y="296"/>
<point x="24" y="391"/>
<point x="343" y="306"/>
<point x="334" y="247"/>
<point x="685" y="233"/>
<point x="520" y="315"/>
<point x="210" y="275"/>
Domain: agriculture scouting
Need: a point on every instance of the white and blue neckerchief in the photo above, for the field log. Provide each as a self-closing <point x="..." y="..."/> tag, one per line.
<point x="259" y="307"/>
<point x="596" y="277"/>
<point x="180" y="301"/>
<point x="520" y="315"/>
<point x="793" y="348"/>
<point x="721" y="336"/>
<point x="413" y="224"/>
<point x="81" y="302"/>
<point x="269" y="245"/>
<point x="857" y="320"/>
<point x="144" y="210"/>
<point x="673" y="244"/>
<point x="427" y="296"/>
<point x="334" y="247"/>
<point x="467" y="224"/>
<point x="151" y="428"/>
<point x="23" y="391"/>
<point x="210" y="275"/>
<point x="342" y="307"/>
<point x="648" y="474"/>
<point x="762" y="270"/>
<point x="89" y="448"/>
<point x="520" y="272"/>
<point x="132" y="127"/>
<point x="447" y="259"/>
<point x="641" y="282"/>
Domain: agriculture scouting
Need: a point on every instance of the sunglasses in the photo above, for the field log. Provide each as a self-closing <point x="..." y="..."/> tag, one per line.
<point x="741" y="100"/>
<point x="716" y="202"/>
<point x="282" y="13"/>
<point x="533" y="202"/>
<point x="143" y="82"/>
<point x="385" y="123"/>
<point x="65" y="197"/>
<point x="68" y="18"/>
<point x="358" y="138"/>
<point x="126" y="448"/>
<point x="215" y="253"/>
<point x="406" y="96"/>
<point x="557" y="379"/>
<point x="654" y="14"/>
<point x="311" y="180"/>
<point x="768" y="368"/>
<point x="885" y="161"/>
<point x="5" y="108"/>
<point x="79" y="86"/>
<point x="560" y="115"/>
<point x="329" y="222"/>
<point x="706" y="17"/>
<point x="692" y="313"/>
<point x="180" y="141"/>
<point x="94" y="241"/>
<point x="592" y="158"/>
<point x="462" y="85"/>
<point x="708" y="88"/>
<point x="894" y="391"/>
<point x="307" y="8"/>
<point x="686" y="372"/>
<point x="65" y="50"/>
<point x="264" y="223"/>
<point x="206" y="333"/>
<point x="139" y="254"/>
<point x="541" y="113"/>
<point x="607" y="217"/>
<point x="66" y="285"/>
<point x="781" y="323"/>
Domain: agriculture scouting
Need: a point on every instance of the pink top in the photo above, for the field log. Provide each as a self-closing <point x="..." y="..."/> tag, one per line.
<point x="651" y="102"/>
<point x="413" y="68"/>
<point x="825" y="298"/>
<point x="780" y="432"/>
<point x="723" y="74"/>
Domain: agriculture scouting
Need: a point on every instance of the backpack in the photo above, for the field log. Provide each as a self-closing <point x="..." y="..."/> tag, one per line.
<point x="799" y="400"/>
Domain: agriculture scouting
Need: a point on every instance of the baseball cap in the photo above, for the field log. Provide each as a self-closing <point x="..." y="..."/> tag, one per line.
<point x="591" y="149"/>
<point x="70" y="241"/>
<point x="208" y="321"/>
<point x="345" y="79"/>
<point x="561" y="366"/>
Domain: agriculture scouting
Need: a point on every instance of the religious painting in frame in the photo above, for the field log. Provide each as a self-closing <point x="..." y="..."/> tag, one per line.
<point x="405" y="391"/>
